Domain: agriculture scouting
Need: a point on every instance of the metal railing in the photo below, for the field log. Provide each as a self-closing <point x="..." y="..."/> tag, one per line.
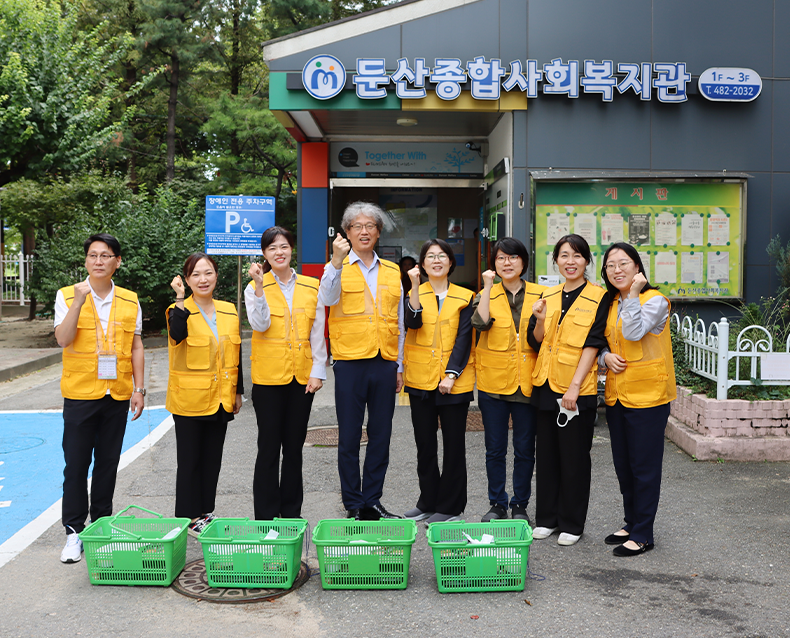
<point x="15" y="270"/>
<point x="755" y="362"/>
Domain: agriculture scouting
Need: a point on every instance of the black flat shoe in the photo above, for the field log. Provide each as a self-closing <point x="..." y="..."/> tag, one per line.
<point x="353" y="513"/>
<point x="622" y="550"/>
<point x="616" y="539"/>
<point x="375" y="513"/>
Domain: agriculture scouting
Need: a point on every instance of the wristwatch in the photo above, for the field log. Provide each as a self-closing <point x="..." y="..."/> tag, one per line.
<point x="140" y="390"/>
<point x="452" y="375"/>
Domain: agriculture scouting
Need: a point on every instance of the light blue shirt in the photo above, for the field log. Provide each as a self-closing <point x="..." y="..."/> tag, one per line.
<point x="329" y="292"/>
<point x="212" y="323"/>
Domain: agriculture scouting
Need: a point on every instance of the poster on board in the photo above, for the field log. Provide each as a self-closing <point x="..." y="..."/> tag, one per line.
<point x="688" y="234"/>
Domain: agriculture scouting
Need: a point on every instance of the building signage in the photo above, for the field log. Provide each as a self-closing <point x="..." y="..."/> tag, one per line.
<point x="404" y="159"/>
<point x="725" y="84"/>
<point x="324" y="77"/>
<point x="234" y="225"/>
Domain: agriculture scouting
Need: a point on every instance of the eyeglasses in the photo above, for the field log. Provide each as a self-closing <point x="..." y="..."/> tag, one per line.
<point x="368" y="227"/>
<point x="103" y="257"/>
<point x="501" y="259"/>
<point x="622" y="265"/>
<point x="436" y="257"/>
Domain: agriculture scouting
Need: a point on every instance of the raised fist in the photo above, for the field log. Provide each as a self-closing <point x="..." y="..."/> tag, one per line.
<point x="539" y="309"/>
<point x="178" y="285"/>
<point x="340" y="248"/>
<point x="488" y="278"/>
<point x="256" y="273"/>
<point x="81" y="292"/>
<point x="414" y="275"/>
<point x="637" y="284"/>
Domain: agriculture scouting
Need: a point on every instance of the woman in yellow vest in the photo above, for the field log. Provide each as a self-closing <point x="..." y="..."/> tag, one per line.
<point x="640" y="383"/>
<point x="439" y="375"/>
<point x="288" y="367"/>
<point x="204" y="388"/>
<point x="504" y="363"/>
<point x="567" y="330"/>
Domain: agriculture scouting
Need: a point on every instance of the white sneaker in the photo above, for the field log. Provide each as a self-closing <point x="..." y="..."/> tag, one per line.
<point x="543" y="532"/>
<point x="72" y="552"/>
<point x="568" y="539"/>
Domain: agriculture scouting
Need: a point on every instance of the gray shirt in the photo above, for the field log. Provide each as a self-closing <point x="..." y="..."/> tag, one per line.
<point x="639" y="319"/>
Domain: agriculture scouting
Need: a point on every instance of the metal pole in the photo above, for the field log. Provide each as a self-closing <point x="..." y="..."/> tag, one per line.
<point x="238" y="293"/>
<point x="21" y="279"/>
<point x="722" y="367"/>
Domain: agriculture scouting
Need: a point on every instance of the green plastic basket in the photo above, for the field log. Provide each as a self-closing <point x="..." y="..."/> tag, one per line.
<point x="237" y="553"/>
<point x="364" y="554"/>
<point x="464" y="566"/>
<point x="126" y="550"/>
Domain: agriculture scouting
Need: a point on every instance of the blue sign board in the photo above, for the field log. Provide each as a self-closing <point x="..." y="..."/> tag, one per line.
<point x="726" y="84"/>
<point x="234" y="224"/>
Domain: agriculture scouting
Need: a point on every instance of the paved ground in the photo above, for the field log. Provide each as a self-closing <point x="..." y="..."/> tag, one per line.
<point x="720" y="567"/>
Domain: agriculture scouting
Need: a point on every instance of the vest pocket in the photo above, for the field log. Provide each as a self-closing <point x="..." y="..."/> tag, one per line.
<point x="644" y="384"/>
<point x="193" y="393"/>
<point x="277" y="328"/>
<point x="353" y="298"/>
<point x="416" y="366"/>
<point x="424" y="336"/>
<point x="81" y="374"/>
<point x="85" y="340"/>
<point x="270" y="363"/>
<point x="495" y="372"/>
<point x="390" y="345"/>
<point x="231" y="351"/>
<point x="567" y="362"/>
<point x="198" y="352"/>
<point x="576" y="333"/>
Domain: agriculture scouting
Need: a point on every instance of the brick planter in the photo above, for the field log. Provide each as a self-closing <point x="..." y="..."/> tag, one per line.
<point x="733" y="430"/>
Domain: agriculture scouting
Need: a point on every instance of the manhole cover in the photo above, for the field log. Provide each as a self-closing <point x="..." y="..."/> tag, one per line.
<point x="327" y="437"/>
<point x="18" y="443"/>
<point x="193" y="582"/>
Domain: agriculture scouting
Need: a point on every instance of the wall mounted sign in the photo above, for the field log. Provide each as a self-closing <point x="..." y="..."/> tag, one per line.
<point x="404" y="159"/>
<point x="324" y="77"/>
<point x="727" y="84"/>
<point x="234" y="225"/>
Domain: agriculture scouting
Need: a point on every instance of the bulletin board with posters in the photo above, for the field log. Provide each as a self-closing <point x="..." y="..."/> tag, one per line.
<point x="689" y="234"/>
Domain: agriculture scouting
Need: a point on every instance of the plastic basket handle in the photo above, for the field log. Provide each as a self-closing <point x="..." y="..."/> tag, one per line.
<point x="125" y="509"/>
<point x="136" y="537"/>
<point x="128" y="533"/>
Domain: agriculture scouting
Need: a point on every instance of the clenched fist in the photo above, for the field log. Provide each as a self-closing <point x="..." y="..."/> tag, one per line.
<point x="488" y="279"/>
<point x="340" y="248"/>
<point x="414" y="275"/>
<point x="539" y="309"/>
<point x="178" y="285"/>
<point x="81" y="292"/>
<point x="637" y="284"/>
<point x="256" y="274"/>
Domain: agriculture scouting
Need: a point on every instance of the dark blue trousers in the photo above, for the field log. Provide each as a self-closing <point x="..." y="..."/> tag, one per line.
<point x="637" y="436"/>
<point x="359" y="384"/>
<point x="496" y="414"/>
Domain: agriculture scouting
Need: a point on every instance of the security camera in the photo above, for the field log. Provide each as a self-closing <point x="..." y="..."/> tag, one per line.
<point x="474" y="147"/>
<point x="469" y="145"/>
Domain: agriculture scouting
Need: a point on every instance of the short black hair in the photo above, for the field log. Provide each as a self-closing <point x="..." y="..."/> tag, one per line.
<point x="192" y="261"/>
<point x="510" y="246"/>
<point x="445" y="249"/>
<point x="632" y="253"/>
<point x="268" y="237"/>
<point x="578" y="243"/>
<point x="113" y="244"/>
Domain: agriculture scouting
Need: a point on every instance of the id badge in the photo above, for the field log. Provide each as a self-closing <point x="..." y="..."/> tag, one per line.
<point x="108" y="366"/>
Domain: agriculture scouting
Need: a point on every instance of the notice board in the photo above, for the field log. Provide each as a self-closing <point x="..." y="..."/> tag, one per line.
<point x="689" y="235"/>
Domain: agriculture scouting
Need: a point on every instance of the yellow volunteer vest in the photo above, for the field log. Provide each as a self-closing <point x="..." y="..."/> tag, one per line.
<point x="81" y="358"/>
<point x="649" y="378"/>
<point x="283" y="351"/>
<point x="204" y="373"/>
<point x="505" y="360"/>
<point x="359" y="326"/>
<point x="427" y="351"/>
<point x="563" y="344"/>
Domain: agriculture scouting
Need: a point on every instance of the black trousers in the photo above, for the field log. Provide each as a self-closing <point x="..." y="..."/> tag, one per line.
<point x="92" y="430"/>
<point x="199" y="446"/>
<point x="445" y="492"/>
<point x="282" y="412"/>
<point x="563" y="471"/>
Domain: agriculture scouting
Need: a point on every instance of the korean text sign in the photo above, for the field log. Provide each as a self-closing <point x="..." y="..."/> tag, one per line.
<point x="688" y="234"/>
<point x="234" y="225"/>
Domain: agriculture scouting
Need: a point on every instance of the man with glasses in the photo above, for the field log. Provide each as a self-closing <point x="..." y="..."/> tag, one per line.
<point x="98" y="325"/>
<point x="366" y="330"/>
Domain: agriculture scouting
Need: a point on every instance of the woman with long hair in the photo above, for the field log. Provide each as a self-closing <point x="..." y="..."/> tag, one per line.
<point x="640" y="383"/>
<point x="288" y="368"/>
<point x="567" y="330"/>
<point x="439" y="375"/>
<point x="205" y="385"/>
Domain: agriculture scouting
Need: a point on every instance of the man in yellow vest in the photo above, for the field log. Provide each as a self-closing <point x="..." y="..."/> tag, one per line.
<point x="98" y="325"/>
<point x="366" y="332"/>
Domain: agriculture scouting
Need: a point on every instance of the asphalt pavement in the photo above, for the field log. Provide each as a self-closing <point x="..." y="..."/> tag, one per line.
<point x="721" y="564"/>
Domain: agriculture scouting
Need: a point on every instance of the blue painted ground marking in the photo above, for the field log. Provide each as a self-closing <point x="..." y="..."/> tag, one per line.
<point x="31" y="453"/>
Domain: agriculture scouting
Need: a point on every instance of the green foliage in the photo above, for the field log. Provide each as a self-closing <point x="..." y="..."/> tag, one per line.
<point x="781" y="255"/>
<point x="157" y="232"/>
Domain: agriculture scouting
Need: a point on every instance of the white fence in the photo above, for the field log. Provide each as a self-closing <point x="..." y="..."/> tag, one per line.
<point x="708" y="354"/>
<point x="15" y="271"/>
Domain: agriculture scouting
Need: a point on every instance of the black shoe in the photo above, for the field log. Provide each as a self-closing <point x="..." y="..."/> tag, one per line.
<point x="622" y="550"/>
<point x="616" y="539"/>
<point x="519" y="512"/>
<point x="353" y="513"/>
<point x="496" y="512"/>
<point x="375" y="513"/>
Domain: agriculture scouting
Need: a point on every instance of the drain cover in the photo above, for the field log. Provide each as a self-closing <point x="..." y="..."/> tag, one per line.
<point x="18" y="443"/>
<point x="327" y="437"/>
<point x="193" y="582"/>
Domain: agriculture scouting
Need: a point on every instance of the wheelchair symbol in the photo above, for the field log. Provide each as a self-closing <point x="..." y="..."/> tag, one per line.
<point x="245" y="227"/>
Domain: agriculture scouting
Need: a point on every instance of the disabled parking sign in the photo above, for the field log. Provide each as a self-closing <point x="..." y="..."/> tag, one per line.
<point x="234" y="225"/>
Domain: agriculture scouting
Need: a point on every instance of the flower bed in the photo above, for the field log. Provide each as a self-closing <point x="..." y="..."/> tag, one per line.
<point x="732" y="430"/>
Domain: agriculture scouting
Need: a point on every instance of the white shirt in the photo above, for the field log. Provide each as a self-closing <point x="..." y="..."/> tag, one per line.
<point x="329" y="292"/>
<point x="103" y="308"/>
<point x="639" y="319"/>
<point x="260" y="319"/>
